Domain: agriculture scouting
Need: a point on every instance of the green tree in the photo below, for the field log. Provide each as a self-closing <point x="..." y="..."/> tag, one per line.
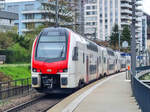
<point x="65" y="13"/>
<point x="6" y="40"/>
<point x="126" y="35"/>
<point x="114" y="37"/>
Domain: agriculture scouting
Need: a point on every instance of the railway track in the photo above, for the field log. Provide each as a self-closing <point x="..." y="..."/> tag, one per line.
<point x="39" y="104"/>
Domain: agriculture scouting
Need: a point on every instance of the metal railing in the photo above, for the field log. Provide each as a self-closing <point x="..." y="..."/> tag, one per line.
<point x="141" y="90"/>
<point x="14" y="88"/>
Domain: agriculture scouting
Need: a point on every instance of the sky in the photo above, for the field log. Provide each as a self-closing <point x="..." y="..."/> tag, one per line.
<point x="146" y="5"/>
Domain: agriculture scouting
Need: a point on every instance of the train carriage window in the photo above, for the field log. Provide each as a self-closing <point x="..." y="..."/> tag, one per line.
<point x="83" y="58"/>
<point x="92" y="47"/>
<point x="75" y="54"/>
<point x="99" y="59"/>
<point x="110" y="52"/>
<point x="104" y="60"/>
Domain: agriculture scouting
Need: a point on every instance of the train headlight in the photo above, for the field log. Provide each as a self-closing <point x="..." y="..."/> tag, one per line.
<point x="34" y="70"/>
<point x="65" y="70"/>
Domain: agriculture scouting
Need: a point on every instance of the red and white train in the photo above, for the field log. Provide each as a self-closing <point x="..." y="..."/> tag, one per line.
<point x="62" y="59"/>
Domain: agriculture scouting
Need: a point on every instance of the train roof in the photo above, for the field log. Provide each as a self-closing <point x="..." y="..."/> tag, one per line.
<point x="83" y="39"/>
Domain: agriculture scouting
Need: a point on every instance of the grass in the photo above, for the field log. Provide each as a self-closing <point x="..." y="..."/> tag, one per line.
<point x="15" y="72"/>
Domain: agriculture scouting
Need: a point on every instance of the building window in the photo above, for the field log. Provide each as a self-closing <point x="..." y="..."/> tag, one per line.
<point x="101" y="15"/>
<point x="94" y="7"/>
<point x="29" y="7"/>
<point x="106" y="27"/>
<point x="101" y="21"/>
<point x="88" y="23"/>
<point x="94" y="13"/>
<point x="93" y="23"/>
<point x="88" y="7"/>
<point x="29" y="16"/>
<point x="87" y="13"/>
<point x="91" y="18"/>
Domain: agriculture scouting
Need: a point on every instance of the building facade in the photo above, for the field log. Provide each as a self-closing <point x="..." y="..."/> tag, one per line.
<point x="22" y="8"/>
<point x="91" y="24"/>
<point x="148" y="30"/>
<point x="144" y="33"/>
<point x="107" y="14"/>
<point x="2" y="5"/>
<point x="7" y="20"/>
<point x="32" y="14"/>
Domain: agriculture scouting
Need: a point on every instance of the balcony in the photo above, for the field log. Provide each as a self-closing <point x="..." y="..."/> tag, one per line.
<point x="26" y="30"/>
<point x="123" y="23"/>
<point x="37" y="11"/>
<point x="127" y="11"/>
<point x="126" y="17"/>
<point x="126" y="5"/>
<point x="138" y="4"/>
<point x="125" y="0"/>
<point x="138" y="25"/>
<point x="37" y="20"/>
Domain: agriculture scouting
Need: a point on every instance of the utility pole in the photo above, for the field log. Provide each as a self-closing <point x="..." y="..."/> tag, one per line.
<point x="133" y="42"/>
<point x="82" y="17"/>
<point x="56" y="11"/>
<point x="119" y="39"/>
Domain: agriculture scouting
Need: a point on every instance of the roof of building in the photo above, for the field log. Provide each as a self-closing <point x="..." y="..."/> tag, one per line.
<point x="8" y="15"/>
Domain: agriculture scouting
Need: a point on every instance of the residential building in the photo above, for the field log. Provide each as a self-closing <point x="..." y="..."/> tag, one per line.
<point x="2" y="5"/>
<point x="144" y="32"/>
<point x="148" y="30"/>
<point x="91" y="15"/>
<point x="78" y="13"/>
<point x="109" y="13"/>
<point x="7" y="20"/>
<point x="32" y="14"/>
<point x="21" y="8"/>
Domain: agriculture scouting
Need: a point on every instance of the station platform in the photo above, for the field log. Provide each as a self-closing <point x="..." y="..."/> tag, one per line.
<point x="111" y="94"/>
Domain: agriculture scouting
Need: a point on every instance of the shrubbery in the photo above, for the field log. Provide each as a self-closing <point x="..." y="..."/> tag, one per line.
<point x="16" y="48"/>
<point x="16" y="54"/>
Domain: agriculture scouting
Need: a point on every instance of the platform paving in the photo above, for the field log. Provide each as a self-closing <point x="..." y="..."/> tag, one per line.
<point x="112" y="95"/>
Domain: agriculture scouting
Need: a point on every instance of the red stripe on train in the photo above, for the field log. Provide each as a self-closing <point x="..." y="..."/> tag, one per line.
<point x="53" y="67"/>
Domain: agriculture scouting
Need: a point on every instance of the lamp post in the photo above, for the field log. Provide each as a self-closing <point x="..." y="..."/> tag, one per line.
<point x="133" y="43"/>
<point x="119" y="39"/>
<point x="138" y="53"/>
<point x="56" y="11"/>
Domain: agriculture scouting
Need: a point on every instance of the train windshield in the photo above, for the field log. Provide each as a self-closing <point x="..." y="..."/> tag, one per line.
<point x="52" y="45"/>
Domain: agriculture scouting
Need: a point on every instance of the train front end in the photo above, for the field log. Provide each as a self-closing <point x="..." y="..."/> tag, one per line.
<point x="50" y="59"/>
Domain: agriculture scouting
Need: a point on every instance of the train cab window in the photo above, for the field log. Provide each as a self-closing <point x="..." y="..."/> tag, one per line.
<point x="52" y="46"/>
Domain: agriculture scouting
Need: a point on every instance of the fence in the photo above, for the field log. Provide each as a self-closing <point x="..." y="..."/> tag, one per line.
<point x="141" y="90"/>
<point x="14" y="88"/>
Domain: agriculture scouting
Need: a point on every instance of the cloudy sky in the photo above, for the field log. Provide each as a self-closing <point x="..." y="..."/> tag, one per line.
<point x="146" y="4"/>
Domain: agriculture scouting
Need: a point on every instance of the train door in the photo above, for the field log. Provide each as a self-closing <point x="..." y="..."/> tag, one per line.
<point x="102" y="63"/>
<point x="87" y="69"/>
<point x="97" y="66"/>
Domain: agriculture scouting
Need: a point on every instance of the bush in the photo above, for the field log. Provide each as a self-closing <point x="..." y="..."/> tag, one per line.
<point x="16" y="54"/>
